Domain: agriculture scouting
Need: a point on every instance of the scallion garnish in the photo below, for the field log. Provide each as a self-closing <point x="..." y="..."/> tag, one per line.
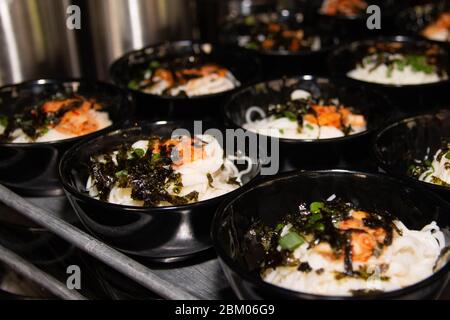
<point x="291" y="241"/>
<point x="315" y="207"/>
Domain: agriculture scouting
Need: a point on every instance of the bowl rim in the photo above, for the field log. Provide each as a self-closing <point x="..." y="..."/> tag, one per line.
<point x="229" y="263"/>
<point x="69" y="188"/>
<point x="404" y="38"/>
<point x="387" y="168"/>
<point x="391" y="109"/>
<point x="130" y="106"/>
<point x="182" y="43"/>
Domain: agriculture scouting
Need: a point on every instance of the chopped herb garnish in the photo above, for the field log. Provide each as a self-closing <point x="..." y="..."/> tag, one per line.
<point x="290" y="115"/>
<point x="122" y="173"/>
<point x="291" y="241"/>
<point x="279" y="227"/>
<point x="154" y="64"/>
<point x="139" y="152"/>
<point x="315" y="207"/>
<point x="3" y="121"/>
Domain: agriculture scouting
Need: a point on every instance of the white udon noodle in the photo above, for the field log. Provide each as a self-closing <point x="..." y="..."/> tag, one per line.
<point x="209" y="84"/>
<point x="439" y="169"/>
<point x="285" y="128"/>
<point x="411" y="258"/>
<point x="407" y="76"/>
<point x="18" y="136"/>
<point x="194" y="175"/>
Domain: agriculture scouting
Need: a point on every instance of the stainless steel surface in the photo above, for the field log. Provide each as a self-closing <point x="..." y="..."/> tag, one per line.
<point x="36" y="275"/>
<point x="202" y="280"/>
<point x="95" y="248"/>
<point x="119" y="26"/>
<point x="34" y="41"/>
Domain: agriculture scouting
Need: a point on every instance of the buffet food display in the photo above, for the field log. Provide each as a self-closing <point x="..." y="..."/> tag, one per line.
<point x="326" y="224"/>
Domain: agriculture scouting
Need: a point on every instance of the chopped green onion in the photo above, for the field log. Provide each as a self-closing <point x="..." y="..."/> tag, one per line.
<point x="309" y="126"/>
<point x="447" y="156"/>
<point x="133" y="84"/>
<point x="154" y="64"/>
<point x="139" y="152"/>
<point x="428" y="163"/>
<point x="250" y="20"/>
<point x="122" y="173"/>
<point x="3" y="121"/>
<point x="44" y="130"/>
<point x="316" y="206"/>
<point x="281" y="131"/>
<point x="155" y="156"/>
<point x="291" y="116"/>
<point x="314" y="218"/>
<point x="252" y="45"/>
<point x="291" y="241"/>
<point x="319" y="227"/>
<point x="279" y="227"/>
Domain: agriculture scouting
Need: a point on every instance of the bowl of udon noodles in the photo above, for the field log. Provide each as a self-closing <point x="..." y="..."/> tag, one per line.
<point x="310" y="122"/>
<point x="334" y="235"/>
<point x="285" y="42"/>
<point x="41" y="119"/>
<point x="151" y="190"/>
<point x="412" y="73"/>
<point x="417" y="149"/>
<point x="184" y="79"/>
<point x="349" y="19"/>
<point x="429" y="21"/>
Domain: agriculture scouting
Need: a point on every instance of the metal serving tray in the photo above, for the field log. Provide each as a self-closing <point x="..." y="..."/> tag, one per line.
<point x="200" y="279"/>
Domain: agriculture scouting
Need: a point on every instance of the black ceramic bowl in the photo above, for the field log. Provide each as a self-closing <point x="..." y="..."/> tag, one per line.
<point x="409" y="98"/>
<point x="271" y="199"/>
<point x="399" y="144"/>
<point x="415" y="19"/>
<point x="31" y="168"/>
<point x="163" y="234"/>
<point x="353" y="27"/>
<point x="244" y="66"/>
<point x="284" y="63"/>
<point x="341" y="152"/>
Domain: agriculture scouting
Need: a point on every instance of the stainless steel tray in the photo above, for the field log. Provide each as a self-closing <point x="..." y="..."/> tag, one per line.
<point x="198" y="280"/>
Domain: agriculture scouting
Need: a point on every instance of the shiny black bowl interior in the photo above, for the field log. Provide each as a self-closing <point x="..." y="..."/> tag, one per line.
<point x="164" y="234"/>
<point x="346" y="151"/>
<point x="271" y="199"/>
<point x="399" y="144"/>
<point x="283" y="63"/>
<point x="408" y="97"/>
<point x="244" y="66"/>
<point x="31" y="168"/>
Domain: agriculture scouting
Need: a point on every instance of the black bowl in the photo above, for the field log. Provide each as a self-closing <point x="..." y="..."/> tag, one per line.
<point x="31" y="168"/>
<point x="413" y="206"/>
<point x="341" y="152"/>
<point x="244" y="66"/>
<point x="283" y="63"/>
<point x="163" y="234"/>
<point x="409" y="98"/>
<point x="353" y="27"/>
<point x="414" y="19"/>
<point x="400" y="143"/>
